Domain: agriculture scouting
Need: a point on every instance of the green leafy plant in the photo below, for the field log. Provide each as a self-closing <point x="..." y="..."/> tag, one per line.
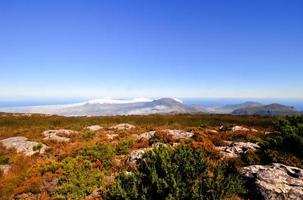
<point x="37" y="147"/>
<point x="180" y="173"/>
<point x="4" y="160"/>
<point x="288" y="136"/>
<point x="78" y="178"/>
<point x="103" y="152"/>
<point x="124" y="147"/>
<point x="88" y="135"/>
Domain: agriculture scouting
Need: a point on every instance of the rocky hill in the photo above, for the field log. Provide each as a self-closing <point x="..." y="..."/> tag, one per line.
<point x="267" y="110"/>
<point x="231" y="107"/>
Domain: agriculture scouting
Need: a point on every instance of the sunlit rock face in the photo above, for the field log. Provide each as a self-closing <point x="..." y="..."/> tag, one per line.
<point x="234" y="149"/>
<point x="275" y="181"/>
<point x="61" y="135"/>
<point x="22" y="145"/>
<point x="179" y="134"/>
<point x="146" y="135"/>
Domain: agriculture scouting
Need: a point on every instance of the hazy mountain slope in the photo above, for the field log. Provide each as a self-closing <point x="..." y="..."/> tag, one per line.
<point x="267" y="110"/>
<point x="105" y="108"/>
<point x="231" y="107"/>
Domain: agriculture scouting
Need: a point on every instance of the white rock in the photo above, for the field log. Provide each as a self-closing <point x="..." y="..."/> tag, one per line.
<point x="179" y="134"/>
<point x="211" y="131"/>
<point x="60" y="135"/>
<point x="22" y="145"/>
<point x="236" y="148"/>
<point x="239" y="128"/>
<point x="136" y="155"/>
<point x="5" y="169"/>
<point x="123" y="126"/>
<point x="111" y="136"/>
<point x="94" y="128"/>
<point x="146" y="135"/>
<point x="275" y="181"/>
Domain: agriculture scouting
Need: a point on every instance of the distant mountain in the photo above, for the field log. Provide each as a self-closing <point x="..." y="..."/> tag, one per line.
<point x="267" y="110"/>
<point x="231" y="107"/>
<point x="107" y="107"/>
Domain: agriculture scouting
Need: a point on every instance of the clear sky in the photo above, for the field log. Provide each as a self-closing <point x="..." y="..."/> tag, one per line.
<point x="151" y="48"/>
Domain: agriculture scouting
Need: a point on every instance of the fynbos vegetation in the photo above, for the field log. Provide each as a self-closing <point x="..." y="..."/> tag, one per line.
<point x="185" y="157"/>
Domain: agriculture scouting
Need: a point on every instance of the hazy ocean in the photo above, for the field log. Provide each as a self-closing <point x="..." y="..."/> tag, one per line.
<point x="204" y="102"/>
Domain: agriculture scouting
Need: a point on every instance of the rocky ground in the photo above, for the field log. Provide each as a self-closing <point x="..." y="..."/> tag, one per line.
<point x="30" y="154"/>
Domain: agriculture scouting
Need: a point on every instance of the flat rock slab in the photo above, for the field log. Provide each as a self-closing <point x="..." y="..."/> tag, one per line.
<point x="123" y="126"/>
<point x="22" y="145"/>
<point x="94" y="128"/>
<point x="276" y="181"/>
<point x="5" y="169"/>
<point x="61" y="135"/>
<point x="179" y="134"/>
<point x="236" y="148"/>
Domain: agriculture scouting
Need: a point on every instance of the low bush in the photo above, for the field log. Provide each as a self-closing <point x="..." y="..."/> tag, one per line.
<point x="37" y="147"/>
<point x="77" y="178"/>
<point x="4" y="160"/>
<point x="177" y="173"/>
<point x="124" y="147"/>
<point x="288" y="136"/>
<point x="88" y="135"/>
<point x="102" y="152"/>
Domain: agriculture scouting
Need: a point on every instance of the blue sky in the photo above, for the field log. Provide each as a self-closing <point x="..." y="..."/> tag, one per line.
<point x="151" y="48"/>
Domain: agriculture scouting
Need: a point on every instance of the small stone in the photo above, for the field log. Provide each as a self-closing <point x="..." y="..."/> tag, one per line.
<point x="111" y="136"/>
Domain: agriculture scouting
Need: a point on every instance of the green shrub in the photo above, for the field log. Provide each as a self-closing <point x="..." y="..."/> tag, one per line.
<point x="37" y="147"/>
<point x="79" y="178"/>
<point x="288" y="136"/>
<point x="124" y="147"/>
<point x="180" y="173"/>
<point x="103" y="152"/>
<point x="4" y="160"/>
<point x="88" y="135"/>
<point x="274" y="156"/>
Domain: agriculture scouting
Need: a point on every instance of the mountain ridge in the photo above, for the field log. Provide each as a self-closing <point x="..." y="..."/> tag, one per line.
<point x="113" y="107"/>
<point x="273" y="109"/>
